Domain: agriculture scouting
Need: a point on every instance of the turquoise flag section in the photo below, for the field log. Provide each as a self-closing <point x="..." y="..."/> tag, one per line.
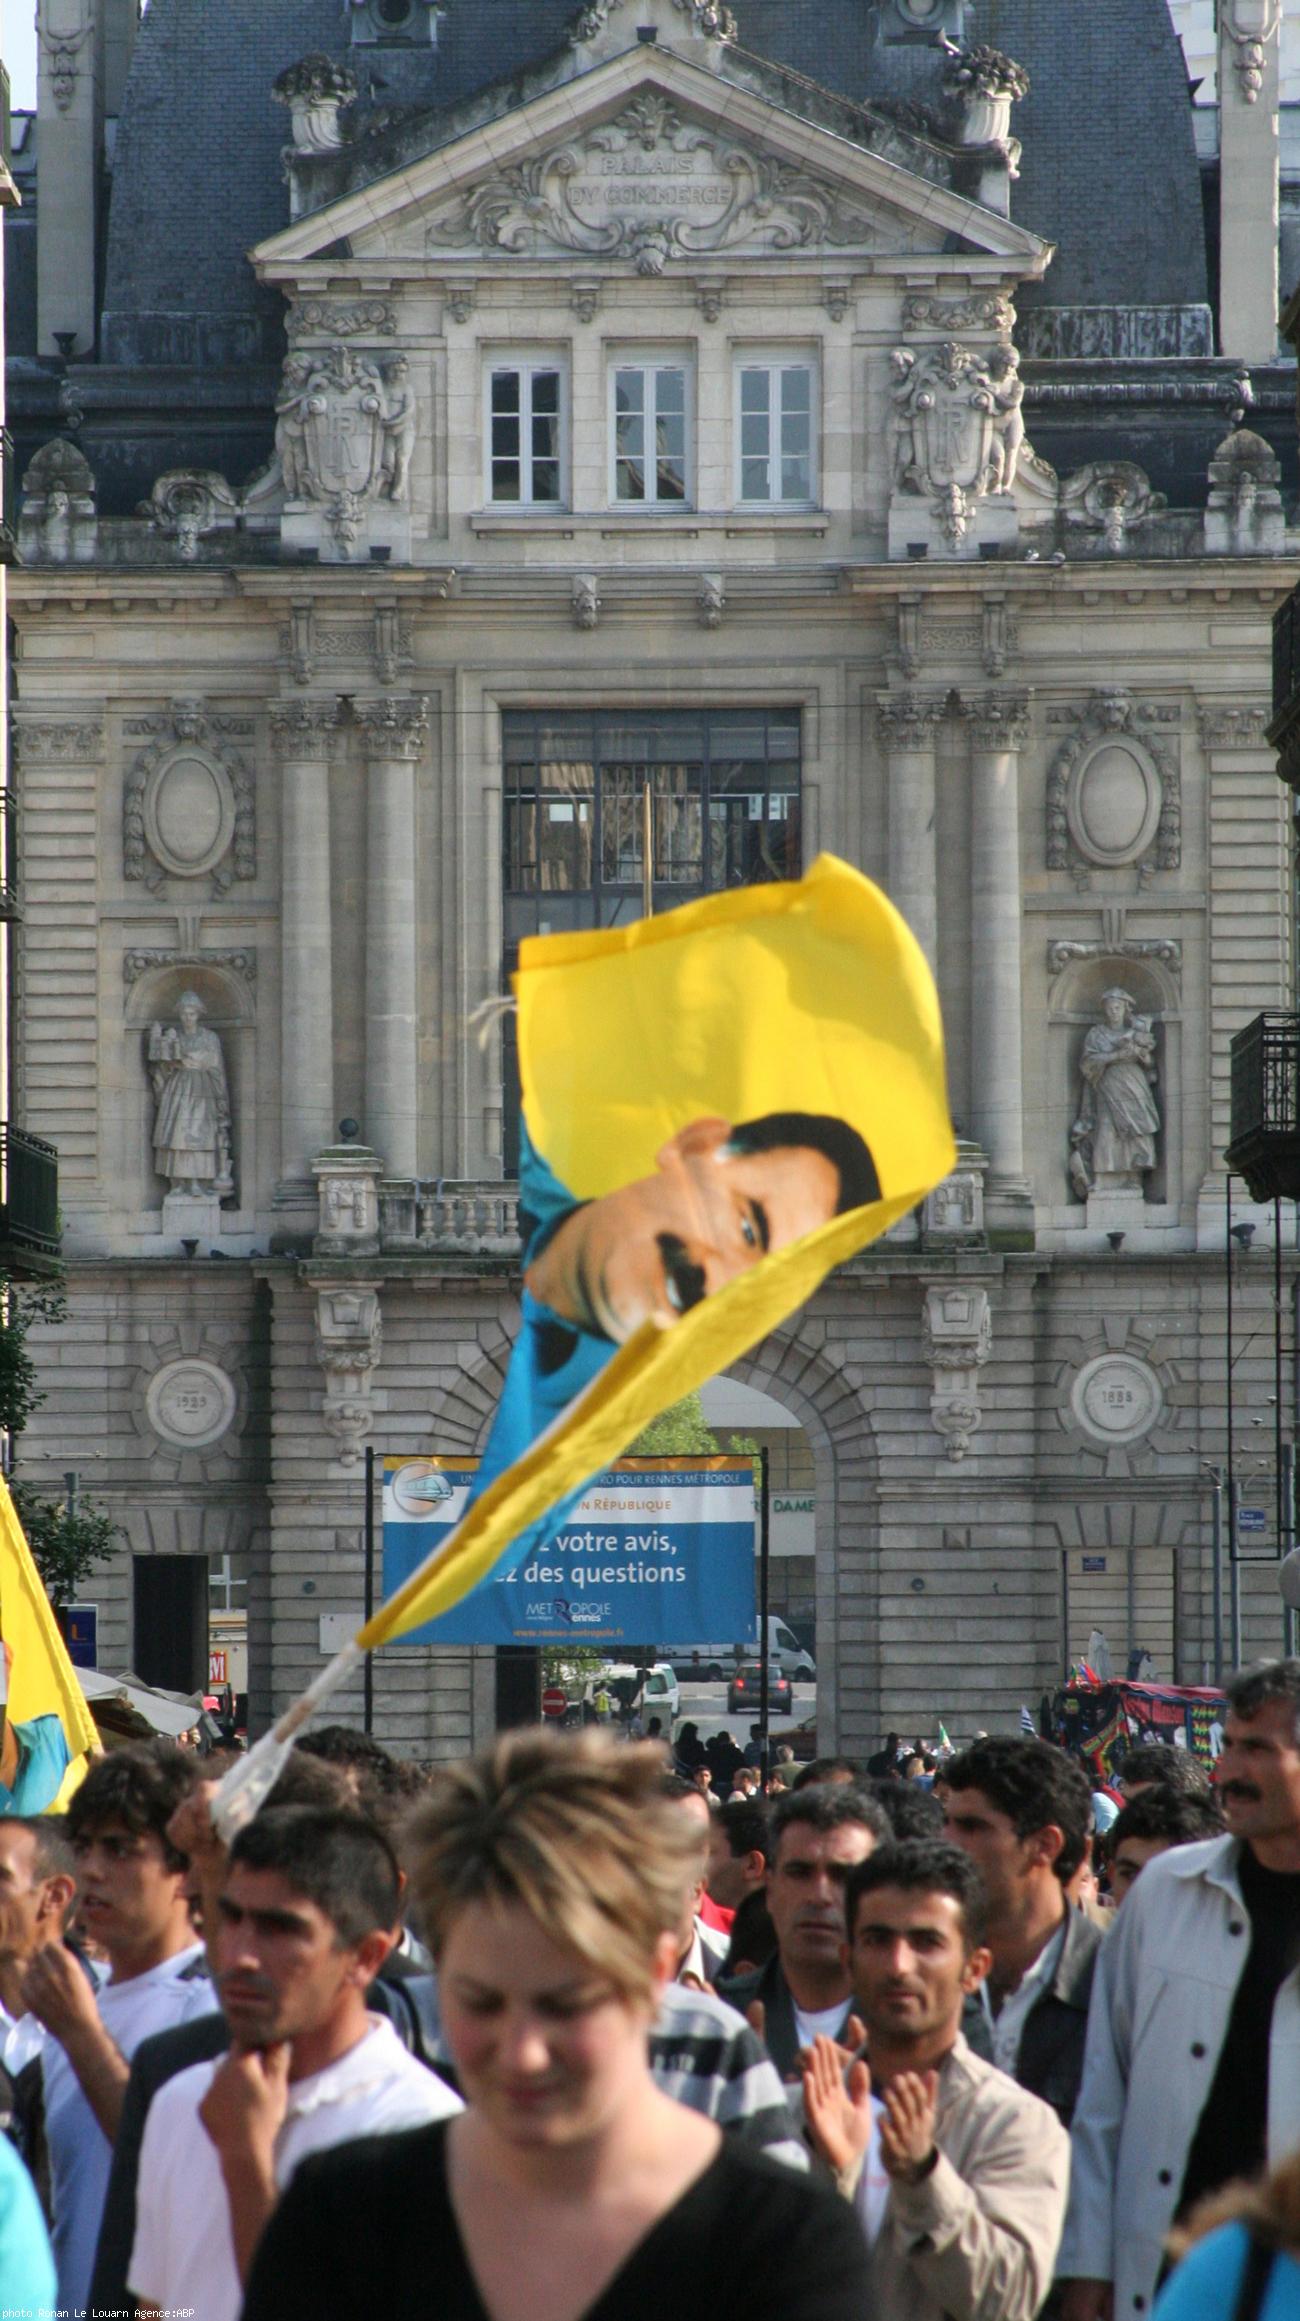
<point x="662" y="1556"/>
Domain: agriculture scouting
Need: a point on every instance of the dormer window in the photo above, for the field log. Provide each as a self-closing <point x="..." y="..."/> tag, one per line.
<point x="395" y="23"/>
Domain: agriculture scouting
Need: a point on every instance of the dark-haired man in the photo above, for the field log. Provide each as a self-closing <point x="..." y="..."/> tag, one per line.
<point x="959" y="2177"/>
<point x="1191" y="2071"/>
<point x="307" y="1916"/>
<point x="1022" y="1811"/>
<point x="1157" y="1819"/>
<point x="1155" y="1766"/>
<point x="818" y="1835"/>
<point x="738" y="1847"/>
<point x="131" y="1898"/>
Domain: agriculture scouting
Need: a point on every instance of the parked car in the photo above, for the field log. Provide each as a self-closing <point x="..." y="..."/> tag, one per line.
<point x="745" y="1690"/>
<point x="718" y="1660"/>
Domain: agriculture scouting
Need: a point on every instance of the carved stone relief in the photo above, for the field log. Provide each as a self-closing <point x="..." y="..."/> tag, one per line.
<point x="186" y="504"/>
<point x="1116" y="1398"/>
<point x="345" y="428"/>
<point x="1252" y="27"/>
<point x="188" y="807"/>
<point x="336" y="319"/>
<point x="1244" y="515"/>
<point x="1232" y="724"/>
<point x="349" y="1335"/>
<point x="316" y="91"/>
<point x="987" y="310"/>
<point x="585" y="600"/>
<point x="956" y="1341"/>
<point x="652" y="186"/>
<point x="1113" y="791"/>
<point x="57" y="524"/>
<point x="708" y="19"/>
<point x="190" y="1403"/>
<point x="68" y="740"/>
<point x="62" y="29"/>
<point x="956" y="428"/>
<point x="136" y="963"/>
<point x="1111" y="497"/>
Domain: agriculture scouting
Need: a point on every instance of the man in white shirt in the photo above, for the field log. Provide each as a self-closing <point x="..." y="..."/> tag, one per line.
<point x="307" y="1916"/>
<point x="131" y="1894"/>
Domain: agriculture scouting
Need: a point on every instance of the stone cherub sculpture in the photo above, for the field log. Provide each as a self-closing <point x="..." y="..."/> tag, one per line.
<point x="191" y="1134"/>
<point x="1113" y="1138"/>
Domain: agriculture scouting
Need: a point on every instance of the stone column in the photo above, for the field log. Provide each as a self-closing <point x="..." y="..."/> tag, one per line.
<point x="301" y="734"/>
<point x="69" y="109"/>
<point x="393" y="730"/>
<point x="1249" y="65"/>
<point x="998" y="724"/>
<point x="909" y="726"/>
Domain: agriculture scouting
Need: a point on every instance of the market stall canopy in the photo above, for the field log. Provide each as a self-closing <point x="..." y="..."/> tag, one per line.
<point x="126" y="1709"/>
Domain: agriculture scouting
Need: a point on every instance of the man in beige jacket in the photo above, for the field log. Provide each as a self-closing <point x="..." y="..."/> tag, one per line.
<point x="960" y="2176"/>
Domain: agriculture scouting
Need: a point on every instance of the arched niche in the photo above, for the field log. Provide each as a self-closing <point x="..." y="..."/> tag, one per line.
<point x="155" y="985"/>
<point x="1074" y="1006"/>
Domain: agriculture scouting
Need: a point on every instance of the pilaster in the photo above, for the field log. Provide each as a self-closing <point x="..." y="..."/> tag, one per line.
<point x="393" y="729"/>
<point x="909" y="725"/>
<point x="302" y="734"/>
<point x="1249" y="56"/>
<point x="999" y="724"/>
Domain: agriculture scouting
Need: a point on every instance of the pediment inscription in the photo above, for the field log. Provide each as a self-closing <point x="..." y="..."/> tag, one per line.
<point x="653" y="185"/>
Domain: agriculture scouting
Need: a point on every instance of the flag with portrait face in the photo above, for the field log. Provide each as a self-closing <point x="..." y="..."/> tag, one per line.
<point x="719" y="1106"/>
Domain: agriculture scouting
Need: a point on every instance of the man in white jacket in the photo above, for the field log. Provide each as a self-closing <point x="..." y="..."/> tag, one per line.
<point x="1192" y="2070"/>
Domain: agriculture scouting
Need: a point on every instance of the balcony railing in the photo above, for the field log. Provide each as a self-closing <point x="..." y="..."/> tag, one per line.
<point x="29" y="1184"/>
<point x="1265" y="1146"/>
<point x="8" y="854"/>
<point x="1284" y="729"/>
<point x="464" y="1220"/>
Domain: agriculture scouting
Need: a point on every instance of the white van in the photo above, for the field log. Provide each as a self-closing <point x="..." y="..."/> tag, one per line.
<point x="718" y="1660"/>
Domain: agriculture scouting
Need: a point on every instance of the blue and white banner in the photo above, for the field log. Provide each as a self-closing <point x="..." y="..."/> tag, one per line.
<point x="658" y="1552"/>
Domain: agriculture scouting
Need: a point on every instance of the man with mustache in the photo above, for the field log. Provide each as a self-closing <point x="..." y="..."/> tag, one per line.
<point x="958" y="2176"/>
<point x="1190" y="2076"/>
<point x="308" y="1915"/>
<point x="818" y="1835"/>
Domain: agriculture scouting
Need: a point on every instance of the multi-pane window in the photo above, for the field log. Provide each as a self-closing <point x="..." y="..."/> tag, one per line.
<point x="649" y="433"/>
<point x="724" y="791"/>
<point x="775" y="428"/>
<point x="525" y="451"/>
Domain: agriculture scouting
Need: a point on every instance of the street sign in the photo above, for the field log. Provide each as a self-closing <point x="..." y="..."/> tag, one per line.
<point x="81" y="1633"/>
<point x="555" y="1701"/>
<point x="1252" y="1519"/>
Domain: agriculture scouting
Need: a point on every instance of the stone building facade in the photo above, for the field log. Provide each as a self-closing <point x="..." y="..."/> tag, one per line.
<point x="785" y="417"/>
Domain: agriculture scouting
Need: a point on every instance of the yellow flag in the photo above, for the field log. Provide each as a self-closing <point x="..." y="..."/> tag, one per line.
<point x="42" y="1680"/>
<point x="720" y="1105"/>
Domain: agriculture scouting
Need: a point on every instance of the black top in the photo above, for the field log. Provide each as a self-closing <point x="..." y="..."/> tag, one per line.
<point x="1231" y="2134"/>
<point x="369" y="2228"/>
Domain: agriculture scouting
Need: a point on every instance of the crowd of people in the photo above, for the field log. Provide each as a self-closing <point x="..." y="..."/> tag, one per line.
<point x="565" y="2031"/>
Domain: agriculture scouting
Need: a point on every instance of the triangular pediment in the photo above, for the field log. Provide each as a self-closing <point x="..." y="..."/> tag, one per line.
<point x="650" y="160"/>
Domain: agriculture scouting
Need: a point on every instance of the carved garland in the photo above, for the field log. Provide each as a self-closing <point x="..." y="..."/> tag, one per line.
<point x="1114" y="713"/>
<point x="189" y="732"/>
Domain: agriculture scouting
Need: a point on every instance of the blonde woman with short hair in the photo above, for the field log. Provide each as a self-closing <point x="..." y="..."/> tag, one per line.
<point x="549" y="1877"/>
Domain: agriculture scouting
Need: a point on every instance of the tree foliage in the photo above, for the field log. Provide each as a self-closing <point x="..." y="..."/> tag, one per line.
<point x="66" y="1542"/>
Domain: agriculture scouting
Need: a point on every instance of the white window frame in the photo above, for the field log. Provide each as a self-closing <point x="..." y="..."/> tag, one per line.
<point x="650" y="367"/>
<point x="775" y="364"/>
<point x="527" y="368"/>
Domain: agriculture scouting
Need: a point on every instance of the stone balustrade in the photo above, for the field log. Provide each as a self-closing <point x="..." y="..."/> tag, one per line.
<point x="468" y="1220"/>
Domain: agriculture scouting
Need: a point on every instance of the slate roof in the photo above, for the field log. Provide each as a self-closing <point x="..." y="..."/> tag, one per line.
<point x="198" y="174"/>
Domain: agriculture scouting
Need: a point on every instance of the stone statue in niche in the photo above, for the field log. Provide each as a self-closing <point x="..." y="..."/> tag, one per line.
<point x="399" y="427"/>
<point x="191" y="1133"/>
<point x="1113" y="1139"/>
